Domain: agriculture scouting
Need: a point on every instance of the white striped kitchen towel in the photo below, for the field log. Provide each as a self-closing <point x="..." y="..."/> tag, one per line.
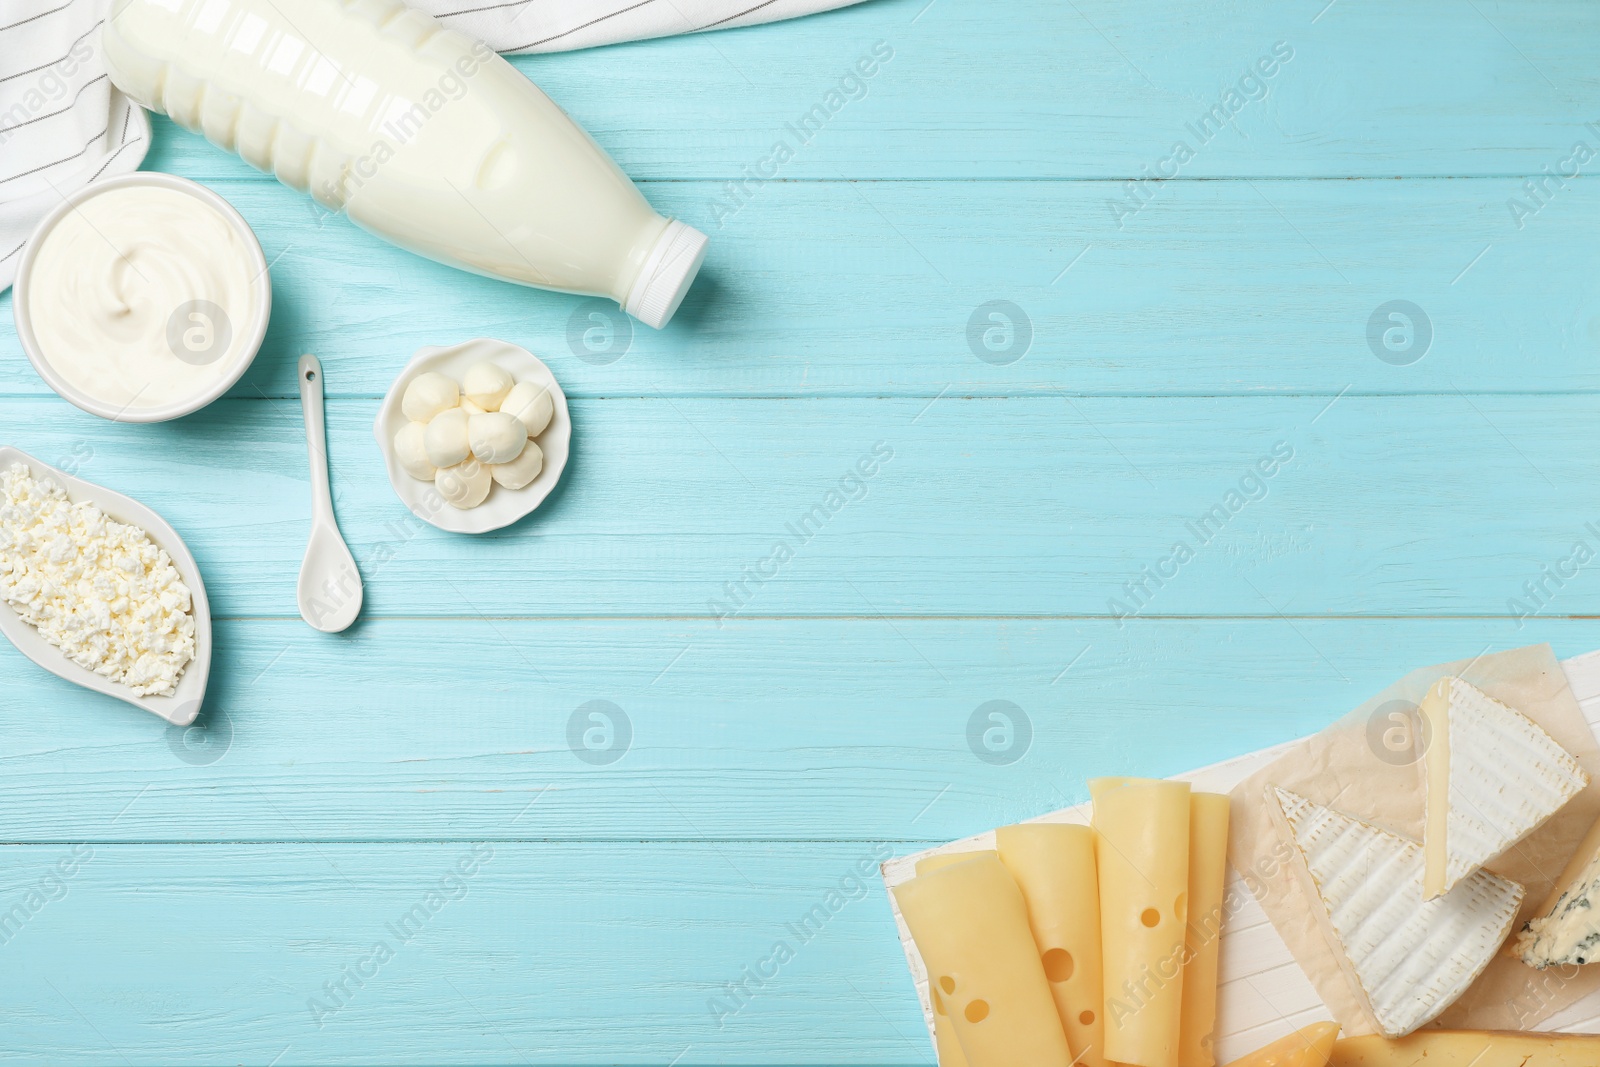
<point x="63" y="124"/>
<point x="562" y="25"/>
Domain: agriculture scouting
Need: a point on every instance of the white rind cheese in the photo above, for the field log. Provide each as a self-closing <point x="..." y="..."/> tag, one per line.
<point x="1569" y="930"/>
<point x="1493" y="778"/>
<point x="1407" y="958"/>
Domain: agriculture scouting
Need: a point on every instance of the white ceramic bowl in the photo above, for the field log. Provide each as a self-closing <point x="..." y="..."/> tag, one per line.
<point x="179" y="709"/>
<point x="504" y="506"/>
<point x="254" y="331"/>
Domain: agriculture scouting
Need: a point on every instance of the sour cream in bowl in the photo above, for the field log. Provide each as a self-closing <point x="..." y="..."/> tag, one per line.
<point x="142" y="298"/>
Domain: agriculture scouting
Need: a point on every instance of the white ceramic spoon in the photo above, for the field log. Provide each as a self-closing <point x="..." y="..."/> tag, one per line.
<point x="330" y="586"/>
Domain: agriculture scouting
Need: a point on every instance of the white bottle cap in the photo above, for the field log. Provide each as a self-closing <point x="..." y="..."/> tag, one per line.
<point x="667" y="274"/>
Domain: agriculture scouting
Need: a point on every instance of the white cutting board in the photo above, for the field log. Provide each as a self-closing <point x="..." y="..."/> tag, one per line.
<point x="1263" y="994"/>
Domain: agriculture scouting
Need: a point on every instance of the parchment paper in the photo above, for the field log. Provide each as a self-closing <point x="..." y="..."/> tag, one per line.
<point x="1368" y="765"/>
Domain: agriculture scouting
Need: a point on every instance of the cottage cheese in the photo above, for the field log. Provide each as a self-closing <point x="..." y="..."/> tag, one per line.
<point x="99" y="590"/>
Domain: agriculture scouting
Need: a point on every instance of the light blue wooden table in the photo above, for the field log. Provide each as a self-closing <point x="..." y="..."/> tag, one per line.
<point x="1062" y="377"/>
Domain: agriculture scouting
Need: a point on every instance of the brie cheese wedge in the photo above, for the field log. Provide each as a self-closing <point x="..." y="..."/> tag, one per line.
<point x="1493" y="778"/>
<point x="1407" y="959"/>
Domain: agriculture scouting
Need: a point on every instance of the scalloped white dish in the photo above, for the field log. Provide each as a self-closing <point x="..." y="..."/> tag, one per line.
<point x="504" y="506"/>
<point x="183" y="707"/>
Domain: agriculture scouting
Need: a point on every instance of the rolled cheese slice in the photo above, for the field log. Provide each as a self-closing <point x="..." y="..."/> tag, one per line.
<point x="944" y="1032"/>
<point x="1468" y="1048"/>
<point x="1307" y="1047"/>
<point x="945" y="1043"/>
<point x="1142" y="856"/>
<point x="970" y="925"/>
<point x="1053" y="864"/>
<point x="1208" y="873"/>
<point x="929" y="864"/>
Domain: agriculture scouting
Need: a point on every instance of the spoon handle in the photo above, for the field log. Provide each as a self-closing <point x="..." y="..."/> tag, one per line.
<point x="316" y="436"/>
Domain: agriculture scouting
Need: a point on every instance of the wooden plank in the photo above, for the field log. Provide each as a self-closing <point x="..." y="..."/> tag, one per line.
<point x="1026" y="506"/>
<point x="549" y="954"/>
<point x="887" y="289"/>
<point x="769" y="756"/>
<point x="1093" y="89"/>
<point x="774" y="729"/>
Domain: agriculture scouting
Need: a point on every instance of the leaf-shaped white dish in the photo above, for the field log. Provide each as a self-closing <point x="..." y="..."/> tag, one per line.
<point x="182" y="707"/>
<point x="504" y="506"/>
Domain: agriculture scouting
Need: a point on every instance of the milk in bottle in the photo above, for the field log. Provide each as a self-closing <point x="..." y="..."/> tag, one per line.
<point x="420" y="134"/>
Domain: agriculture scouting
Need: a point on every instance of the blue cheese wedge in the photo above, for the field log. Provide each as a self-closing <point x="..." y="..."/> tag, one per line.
<point x="1568" y="931"/>
<point x="1407" y="959"/>
<point x="1494" y="776"/>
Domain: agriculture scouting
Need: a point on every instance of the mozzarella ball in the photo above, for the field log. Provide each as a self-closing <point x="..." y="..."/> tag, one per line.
<point x="445" y="440"/>
<point x="470" y="408"/>
<point x="465" y="485"/>
<point x="496" y="437"/>
<point x="427" y="395"/>
<point x="522" y="470"/>
<point x="486" y="384"/>
<point x="412" y="453"/>
<point x="531" y="403"/>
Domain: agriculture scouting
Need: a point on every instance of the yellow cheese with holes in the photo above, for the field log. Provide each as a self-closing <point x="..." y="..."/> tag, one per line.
<point x="1208" y="873"/>
<point x="970" y="925"/>
<point x="944" y="1034"/>
<point x="1053" y="864"/>
<point x="1468" y="1048"/>
<point x="1142" y="855"/>
<point x="1307" y="1047"/>
<point x="946" y="1045"/>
